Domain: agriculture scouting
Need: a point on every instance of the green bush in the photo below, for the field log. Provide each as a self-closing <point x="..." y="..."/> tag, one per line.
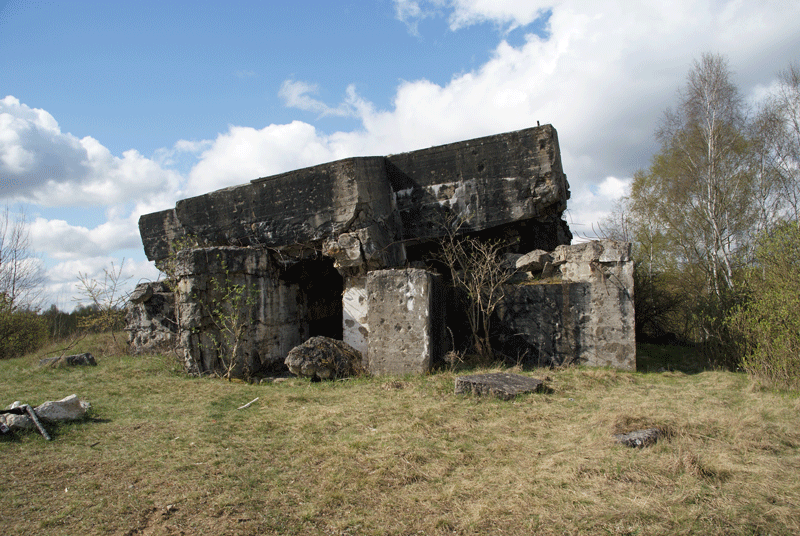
<point x="20" y="332"/>
<point x="769" y="321"/>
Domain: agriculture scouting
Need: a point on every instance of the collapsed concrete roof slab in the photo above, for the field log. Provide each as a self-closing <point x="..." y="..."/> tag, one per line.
<point x="486" y="182"/>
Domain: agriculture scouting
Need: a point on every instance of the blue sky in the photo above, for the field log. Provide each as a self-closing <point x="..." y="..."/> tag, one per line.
<point x="115" y="109"/>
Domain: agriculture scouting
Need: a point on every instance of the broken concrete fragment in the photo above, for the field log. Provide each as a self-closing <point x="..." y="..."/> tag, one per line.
<point x="17" y="422"/>
<point x="534" y="261"/>
<point x="501" y="385"/>
<point x="406" y="320"/>
<point x="141" y="293"/>
<point x="69" y="361"/>
<point x="150" y="318"/>
<point x="18" y="416"/>
<point x="324" y="358"/>
<point x="639" y="438"/>
<point x="69" y="408"/>
<point x="584" y="316"/>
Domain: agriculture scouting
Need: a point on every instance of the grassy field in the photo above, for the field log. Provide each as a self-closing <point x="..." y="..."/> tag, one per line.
<point x="166" y="454"/>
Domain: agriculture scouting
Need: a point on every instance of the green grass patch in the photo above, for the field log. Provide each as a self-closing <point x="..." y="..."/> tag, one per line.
<point x="163" y="453"/>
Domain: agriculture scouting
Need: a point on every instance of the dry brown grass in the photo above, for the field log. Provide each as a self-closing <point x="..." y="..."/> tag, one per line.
<point x="166" y="454"/>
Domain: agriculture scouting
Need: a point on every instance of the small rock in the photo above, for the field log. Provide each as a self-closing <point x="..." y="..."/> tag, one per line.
<point x="639" y="438"/>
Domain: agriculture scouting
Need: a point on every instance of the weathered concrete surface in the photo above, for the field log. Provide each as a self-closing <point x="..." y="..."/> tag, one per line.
<point x="360" y="210"/>
<point x="406" y="320"/>
<point x="292" y="209"/>
<point x="607" y="334"/>
<point x="501" y="385"/>
<point x="150" y="319"/>
<point x="316" y="251"/>
<point x="581" y="314"/>
<point x="355" y="306"/>
<point x="541" y="323"/>
<point x="323" y="358"/>
<point x="487" y="182"/>
<point x="235" y="315"/>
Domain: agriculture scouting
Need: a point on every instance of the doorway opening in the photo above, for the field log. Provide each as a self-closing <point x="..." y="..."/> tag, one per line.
<point x="320" y="294"/>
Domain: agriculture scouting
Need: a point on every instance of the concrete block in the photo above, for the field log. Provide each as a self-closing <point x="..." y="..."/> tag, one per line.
<point x="406" y="320"/>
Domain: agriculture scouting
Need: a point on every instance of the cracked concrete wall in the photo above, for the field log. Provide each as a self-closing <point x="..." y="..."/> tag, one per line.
<point x="486" y="182"/>
<point x="363" y="211"/>
<point x="251" y="330"/>
<point x="583" y="314"/>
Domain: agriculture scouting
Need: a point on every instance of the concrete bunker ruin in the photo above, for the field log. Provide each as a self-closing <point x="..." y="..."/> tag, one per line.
<point x="344" y="250"/>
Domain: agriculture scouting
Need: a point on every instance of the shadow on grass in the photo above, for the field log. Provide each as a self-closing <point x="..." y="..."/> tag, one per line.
<point x="53" y="429"/>
<point x="686" y="358"/>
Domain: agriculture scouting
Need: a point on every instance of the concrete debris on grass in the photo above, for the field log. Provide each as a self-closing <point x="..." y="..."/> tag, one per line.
<point x="323" y="358"/>
<point x="70" y="408"/>
<point x="502" y="385"/>
<point x="639" y="438"/>
<point x="69" y="361"/>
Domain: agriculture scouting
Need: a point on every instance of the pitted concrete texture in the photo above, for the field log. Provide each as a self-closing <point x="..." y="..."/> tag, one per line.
<point x="405" y="318"/>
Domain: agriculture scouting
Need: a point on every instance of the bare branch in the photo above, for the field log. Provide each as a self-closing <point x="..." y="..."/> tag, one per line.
<point x="21" y="275"/>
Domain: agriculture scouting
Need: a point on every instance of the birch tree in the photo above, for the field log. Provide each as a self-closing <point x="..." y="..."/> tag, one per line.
<point x="700" y="186"/>
<point x="778" y="135"/>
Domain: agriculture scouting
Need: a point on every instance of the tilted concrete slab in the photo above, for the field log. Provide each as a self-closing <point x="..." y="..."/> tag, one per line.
<point x="379" y="202"/>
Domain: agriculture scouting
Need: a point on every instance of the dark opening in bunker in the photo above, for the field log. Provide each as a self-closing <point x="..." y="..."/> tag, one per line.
<point x="321" y="288"/>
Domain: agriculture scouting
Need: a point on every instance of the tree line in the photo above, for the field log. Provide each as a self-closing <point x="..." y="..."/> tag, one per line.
<point x="714" y="225"/>
<point x="24" y="326"/>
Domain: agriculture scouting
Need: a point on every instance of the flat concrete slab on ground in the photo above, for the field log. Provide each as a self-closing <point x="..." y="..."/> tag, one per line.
<point x="502" y="385"/>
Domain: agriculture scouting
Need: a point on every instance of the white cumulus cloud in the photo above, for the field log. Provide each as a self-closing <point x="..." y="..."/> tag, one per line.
<point x="63" y="240"/>
<point x="42" y="165"/>
<point x="244" y="153"/>
<point x="297" y="94"/>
